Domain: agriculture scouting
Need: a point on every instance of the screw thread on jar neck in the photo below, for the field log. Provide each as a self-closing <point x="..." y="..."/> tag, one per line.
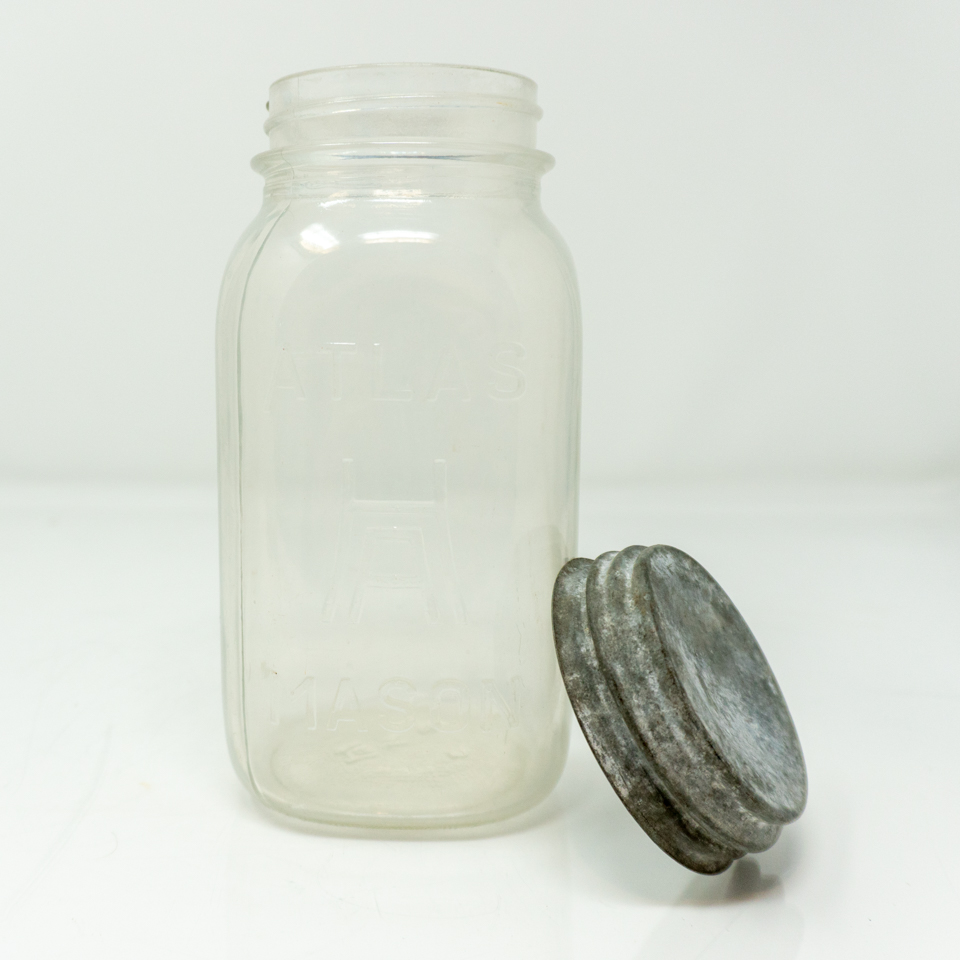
<point x="339" y="122"/>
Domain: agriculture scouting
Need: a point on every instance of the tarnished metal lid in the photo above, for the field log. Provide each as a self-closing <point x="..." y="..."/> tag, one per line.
<point x="678" y="704"/>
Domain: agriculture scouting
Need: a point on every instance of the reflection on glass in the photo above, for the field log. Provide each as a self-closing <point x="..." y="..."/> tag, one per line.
<point x="318" y="239"/>
<point x="398" y="236"/>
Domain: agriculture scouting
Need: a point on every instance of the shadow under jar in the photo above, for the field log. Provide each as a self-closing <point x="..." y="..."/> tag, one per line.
<point x="398" y="351"/>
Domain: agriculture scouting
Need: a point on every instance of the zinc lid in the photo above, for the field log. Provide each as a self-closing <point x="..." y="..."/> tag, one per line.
<point x="678" y="704"/>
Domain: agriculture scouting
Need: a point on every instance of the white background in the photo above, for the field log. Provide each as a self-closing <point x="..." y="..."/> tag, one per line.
<point x="763" y="202"/>
<point x="762" y="199"/>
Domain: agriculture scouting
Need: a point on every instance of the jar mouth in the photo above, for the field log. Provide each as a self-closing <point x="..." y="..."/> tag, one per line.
<point x="404" y="103"/>
<point x="410" y="66"/>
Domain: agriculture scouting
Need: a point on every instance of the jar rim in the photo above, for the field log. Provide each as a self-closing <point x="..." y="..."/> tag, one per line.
<point x="394" y="85"/>
<point x="405" y="64"/>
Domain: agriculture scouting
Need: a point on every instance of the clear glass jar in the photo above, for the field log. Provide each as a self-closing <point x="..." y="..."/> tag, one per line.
<point x="398" y="351"/>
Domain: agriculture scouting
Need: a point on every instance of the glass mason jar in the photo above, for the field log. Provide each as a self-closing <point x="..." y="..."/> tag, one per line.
<point x="398" y="351"/>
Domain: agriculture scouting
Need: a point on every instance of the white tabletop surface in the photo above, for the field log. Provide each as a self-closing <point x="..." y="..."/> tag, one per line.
<point x="124" y="832"/>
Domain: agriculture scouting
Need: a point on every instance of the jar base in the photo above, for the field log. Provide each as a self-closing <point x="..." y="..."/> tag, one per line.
<point x="410" y="780"/>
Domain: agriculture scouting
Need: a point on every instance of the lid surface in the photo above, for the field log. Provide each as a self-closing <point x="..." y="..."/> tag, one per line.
<point x="678" y="704"/>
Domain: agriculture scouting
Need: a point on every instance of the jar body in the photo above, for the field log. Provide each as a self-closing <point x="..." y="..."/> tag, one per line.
<point x="398" y="396"/>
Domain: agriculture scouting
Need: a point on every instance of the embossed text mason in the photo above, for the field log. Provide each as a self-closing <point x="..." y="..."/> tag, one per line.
<point x="398" y="352"/>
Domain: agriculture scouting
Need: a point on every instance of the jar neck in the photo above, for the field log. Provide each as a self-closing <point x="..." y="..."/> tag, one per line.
<point x="403" y="129"/>
<point x="327" y="176"/>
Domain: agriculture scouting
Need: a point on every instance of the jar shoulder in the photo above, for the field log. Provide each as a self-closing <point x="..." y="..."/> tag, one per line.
<point x="505" y="250"/>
